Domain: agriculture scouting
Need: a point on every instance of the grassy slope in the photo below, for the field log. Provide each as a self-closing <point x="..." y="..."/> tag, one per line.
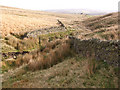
<point x="103" y="27"/>
<point x="17" y="20"/>
<point x="71" y="73"/>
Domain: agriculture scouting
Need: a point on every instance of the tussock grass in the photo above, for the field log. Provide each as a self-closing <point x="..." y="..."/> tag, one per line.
<point x="47" y="57"/>
<point x="72" y="72"/>
<point x="92" y="63"/>
<point x="24" y="44"/>
<point x="103" y="27"/>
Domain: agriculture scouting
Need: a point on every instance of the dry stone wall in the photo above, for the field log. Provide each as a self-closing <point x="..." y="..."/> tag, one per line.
<point x="35" y="33"/>
<point x="109" y="51"/>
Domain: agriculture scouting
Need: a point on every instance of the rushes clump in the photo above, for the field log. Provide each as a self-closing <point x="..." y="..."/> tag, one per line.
<point x="44" y="59"/>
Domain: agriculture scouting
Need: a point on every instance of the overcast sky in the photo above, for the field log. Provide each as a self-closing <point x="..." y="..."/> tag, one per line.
<point x="104" y="5"/>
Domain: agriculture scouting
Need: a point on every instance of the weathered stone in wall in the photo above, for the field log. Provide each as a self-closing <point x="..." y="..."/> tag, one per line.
<point x="108" y="51"/>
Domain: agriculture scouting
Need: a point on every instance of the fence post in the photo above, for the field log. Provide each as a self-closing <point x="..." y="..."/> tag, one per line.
<point x="39" y="43"/>
<point x="17" y="47"/>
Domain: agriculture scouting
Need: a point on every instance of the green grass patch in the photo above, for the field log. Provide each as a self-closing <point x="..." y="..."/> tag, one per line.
<point x="102" y="78"/>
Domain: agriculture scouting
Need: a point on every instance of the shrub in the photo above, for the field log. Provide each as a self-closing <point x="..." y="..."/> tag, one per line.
<point x="27" y="58"/>
<point x="19" y="60"/>
<point x="23" y="59"/>
<point x="48" y="57"/>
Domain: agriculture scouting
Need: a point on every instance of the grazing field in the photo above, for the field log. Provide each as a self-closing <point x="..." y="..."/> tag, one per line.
<point x="37" y="51"/>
